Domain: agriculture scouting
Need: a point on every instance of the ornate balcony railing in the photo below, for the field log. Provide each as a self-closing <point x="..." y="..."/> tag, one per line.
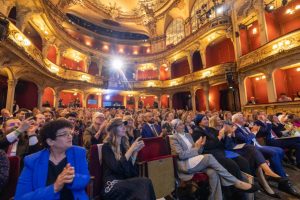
<point x="273" y="108"/>
<point x="276" y="48"/>
<point x="18" y="39"/>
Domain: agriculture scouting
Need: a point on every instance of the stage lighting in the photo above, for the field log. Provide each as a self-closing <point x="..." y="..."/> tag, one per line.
<point x="107" y="97"/>
<point x="117" y="63"/>
<point x="269" y="7"/>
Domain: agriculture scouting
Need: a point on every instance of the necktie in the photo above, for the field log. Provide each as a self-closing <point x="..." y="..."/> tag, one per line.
<point x="153" y="129"/>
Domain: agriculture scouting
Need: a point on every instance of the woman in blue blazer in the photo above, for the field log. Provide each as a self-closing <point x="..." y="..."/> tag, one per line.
<point x="60" y="171"/>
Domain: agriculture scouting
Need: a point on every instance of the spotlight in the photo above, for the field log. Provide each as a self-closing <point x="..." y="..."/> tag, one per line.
<point x="107" y="97"/>
<point x="117" y="63"/>
<point x="220" y="10"/>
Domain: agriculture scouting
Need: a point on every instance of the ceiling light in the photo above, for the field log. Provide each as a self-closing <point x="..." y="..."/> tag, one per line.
<point x="121" y="50"/>
<point x="105" y="47"/>
<point x="275" y="46"/>
<point x="135" y="52"/>
<point x="107" y="97"/>
<point x="289" y="11"/>
<point x="117" y="63"/>
<point x="220" y="10"/>
<point x="263" y="77"/>
<point x="257" y="78"/>
<point x="148" y="50"/>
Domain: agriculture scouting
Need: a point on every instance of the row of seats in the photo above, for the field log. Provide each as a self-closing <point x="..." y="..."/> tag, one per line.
<point x="152" y="160"/>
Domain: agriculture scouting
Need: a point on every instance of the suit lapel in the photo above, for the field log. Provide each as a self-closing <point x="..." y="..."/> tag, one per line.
<point x="181" y="141"/>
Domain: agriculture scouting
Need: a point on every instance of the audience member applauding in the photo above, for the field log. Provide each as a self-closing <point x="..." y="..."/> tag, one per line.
<point x="189" y="162"/>
<point x="150" y="129"/>
<point x="95" y="134"/>
<point x="60" y="171"/>
<point x="120" y="176"/>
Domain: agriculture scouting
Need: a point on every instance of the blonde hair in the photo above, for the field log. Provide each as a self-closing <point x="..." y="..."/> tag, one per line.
<point x="213" y="121"/>
<point x="111" y="137"/>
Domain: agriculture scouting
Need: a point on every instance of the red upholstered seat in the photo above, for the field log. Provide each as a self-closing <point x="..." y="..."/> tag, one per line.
<point x="200" y="177"/>
<point x="95" y="171"/>
<point x="14" y="172"/>
<point x="154" y="147"/>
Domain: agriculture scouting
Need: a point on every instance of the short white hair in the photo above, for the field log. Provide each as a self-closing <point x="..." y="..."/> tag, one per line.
<point x="236" y="116"/>
<point x="97" y="115"/>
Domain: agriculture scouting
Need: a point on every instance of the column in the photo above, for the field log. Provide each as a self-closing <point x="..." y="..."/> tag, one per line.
<point x="99" y="100"/>
<point x="40" y="97"/>
<point x="136" y="102"/>
<point x="190" y="60"/>
<point x="270" y="88"/>
<point x="100" y="66"/>
<point x="11" y="86"/>
<point x="193" y="98"/>
<point x="56" y="98"/>
<point x="159" y="100"/>
<point x="262" y="25"/>
<point x="87" y="62"/>
<point x="171" y="101"/>
<point x="58" y="57"/>
<point x="242" y="90"/>
<point x="236" y="38"/>
<point x="84" y="99"/>
<point x="203" y="57"/>
<point x="125" y="101"/>
<point x="206" y="95"/>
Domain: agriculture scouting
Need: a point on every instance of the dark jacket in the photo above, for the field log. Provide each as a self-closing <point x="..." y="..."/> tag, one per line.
<point x="4" y="169"/>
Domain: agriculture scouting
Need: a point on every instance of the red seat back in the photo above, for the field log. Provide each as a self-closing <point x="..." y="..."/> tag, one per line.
<point x="14" y="171"/>
<point x="154" y="147"/>
<point x="95" y="170"/>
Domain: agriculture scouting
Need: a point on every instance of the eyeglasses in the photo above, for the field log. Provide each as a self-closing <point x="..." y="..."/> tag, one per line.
<point x="65" y="134"/>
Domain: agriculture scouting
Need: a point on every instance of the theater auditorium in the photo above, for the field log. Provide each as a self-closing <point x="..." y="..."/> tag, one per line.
<point x="149" y="99"/>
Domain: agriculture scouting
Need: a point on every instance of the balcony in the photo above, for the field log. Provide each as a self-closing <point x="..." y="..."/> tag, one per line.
<point x="273" y="108"/>
<point x="17" y="39"/>
<point x="274" y="50"/>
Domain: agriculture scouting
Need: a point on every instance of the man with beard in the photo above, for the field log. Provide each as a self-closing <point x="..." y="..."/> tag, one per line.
<point x="150" y="129"/>
<point x="77" y="132"/>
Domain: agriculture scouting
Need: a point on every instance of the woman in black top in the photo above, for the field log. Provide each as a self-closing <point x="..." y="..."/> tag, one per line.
<point x="119" y="169"/>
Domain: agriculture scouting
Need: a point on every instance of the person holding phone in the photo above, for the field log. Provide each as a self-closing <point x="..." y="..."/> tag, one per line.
<point x="120" y="172"/>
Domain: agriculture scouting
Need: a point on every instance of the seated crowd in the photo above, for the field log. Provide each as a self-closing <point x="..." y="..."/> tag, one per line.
<point x="54" y="145"/>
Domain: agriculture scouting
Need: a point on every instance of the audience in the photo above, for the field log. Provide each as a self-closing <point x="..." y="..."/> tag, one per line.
<point x="119" y="164"/>
<point x="233" y="145"/>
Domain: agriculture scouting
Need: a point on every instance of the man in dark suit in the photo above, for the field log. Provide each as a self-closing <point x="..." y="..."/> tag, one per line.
<point x="265" y="131"/>
<point x="150" y="129"/>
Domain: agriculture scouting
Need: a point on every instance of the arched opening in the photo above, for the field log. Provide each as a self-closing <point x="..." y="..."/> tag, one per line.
<point x="26" y="94"/>
<point x="112" y="100"/>
<point x="180" y="68"/>
<point x="70" y="99"/>
<point x="33" y="36"/>
<point x="256" y="86"/>
<point x="164" y="101"/>
<point x="93" y="69"/>
<point x="48" y="97"/>
<point x="164" y="72"/>
<point x="220" y="52"/>
<point x="92" y="101"/>
<point x="287" y="80"/>
<point x="148" y="101"/>
<point x="182" y="100"/>
<point x="51" y="54"/>
<point x="12" y="16"/>
<point x="197" y="61"/>
<point x="200" y="100"/>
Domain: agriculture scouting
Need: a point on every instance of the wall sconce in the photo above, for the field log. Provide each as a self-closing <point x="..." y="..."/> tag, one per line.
<point x="298" y="69"/>
<point x="54" y="69"/>
<point x="282" y="45"/>
<point x="22" y="39"/>
<point x="254" y="31"/>
<point x="85" y="77"/>
<point x="99" y="93"/>
<point x="206" y="74"/>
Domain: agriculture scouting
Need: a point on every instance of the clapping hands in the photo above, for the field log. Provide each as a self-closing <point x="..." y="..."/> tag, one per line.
<point x="200" y="142"/>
